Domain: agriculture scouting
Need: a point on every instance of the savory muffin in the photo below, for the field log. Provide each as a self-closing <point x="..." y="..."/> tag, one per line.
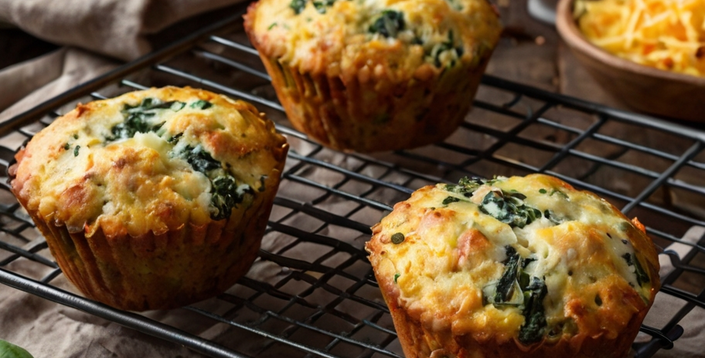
<point x="153" y="199"/>
<point x="374" y="75"/>
<point x="513" y="267"/>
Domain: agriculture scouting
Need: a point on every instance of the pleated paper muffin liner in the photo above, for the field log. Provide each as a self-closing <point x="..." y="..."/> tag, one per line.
<point x="364" y="114"/>
<point x="419" y="341"/>
<point x="159" y="271"/>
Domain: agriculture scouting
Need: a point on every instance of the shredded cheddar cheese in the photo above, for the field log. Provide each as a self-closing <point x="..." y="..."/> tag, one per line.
<point x="666" y="34"/>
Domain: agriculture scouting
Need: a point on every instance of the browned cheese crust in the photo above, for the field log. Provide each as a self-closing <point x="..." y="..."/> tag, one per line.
<point x="583" y="276"/>
<point x="375" y="75"/>
<point x="153" y="199"/>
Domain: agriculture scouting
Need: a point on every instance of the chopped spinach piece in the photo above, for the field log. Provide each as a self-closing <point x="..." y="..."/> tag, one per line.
<point x="525" y="261"/>
<point x="466" y="186"/>
<point x="532" y="291"/>
<point x="534" y="312"/>
<point x="628" y="258"/>
<point x="222" y="197"/>
<point x="517" y="195"/>
<point x="556" y="191"/>
<point x="543" y="191"/>
<point x="298" y="6"/>
<point x="450" y="199"/>
<point x="225" y="192"/>
<point x="201" y="160"/>
<point x="506" y="284"/>
<point x="551" y="216"/>
<point x="641" y="276"/>
<point x="75" y="150"/>
<point x="322" y="5"/>
<point x="397" y="238"/>
<point x="509" y="208"/>
<point x="201" y="104"/>
<point x="132" y="125"/>
<point x="137" y="118"/>
<point x="175" y="138"/>
<point x="448" y="45"/>
<point x="67" y="146"/>
<point x="225" y="195"/>
<point x="388" y="24"/>
<point x="396" y="277"/>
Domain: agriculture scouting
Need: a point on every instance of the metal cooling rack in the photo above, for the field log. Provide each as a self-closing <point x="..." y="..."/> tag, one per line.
<point x="312" y="292"/>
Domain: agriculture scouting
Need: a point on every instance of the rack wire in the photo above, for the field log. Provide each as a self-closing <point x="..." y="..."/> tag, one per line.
<point x="312" y="291"/>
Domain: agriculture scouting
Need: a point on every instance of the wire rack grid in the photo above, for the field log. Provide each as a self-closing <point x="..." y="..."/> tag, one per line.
<point x="312" y="291"/>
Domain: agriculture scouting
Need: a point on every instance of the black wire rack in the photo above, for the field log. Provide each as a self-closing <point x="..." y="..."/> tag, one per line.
<point x="312" y="291"/>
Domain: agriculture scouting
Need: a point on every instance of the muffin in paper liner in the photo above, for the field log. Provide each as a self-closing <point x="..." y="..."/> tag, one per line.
<point x="513" y="267"/>
<point x="154" y="199"/>
<point x="374" y="75"/>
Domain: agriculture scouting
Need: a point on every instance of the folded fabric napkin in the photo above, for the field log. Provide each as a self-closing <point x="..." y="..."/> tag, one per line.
<point x="117" y="28"/>
<point x="96" y="35"/>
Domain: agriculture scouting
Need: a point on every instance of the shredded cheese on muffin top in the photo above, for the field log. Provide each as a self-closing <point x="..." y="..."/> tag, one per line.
<point x="526" y="258"/>
<point x="149" y="161"/>
<point x="331" y="35"/>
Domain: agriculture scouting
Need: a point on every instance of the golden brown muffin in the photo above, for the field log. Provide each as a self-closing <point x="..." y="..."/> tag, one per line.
<point x="153" y="199"/>
<point x="374" y="75"/>
<point x="513" y="267"/>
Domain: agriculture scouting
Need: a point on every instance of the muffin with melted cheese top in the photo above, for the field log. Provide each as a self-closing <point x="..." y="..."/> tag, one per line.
<point x="513" y="267"/>
<point x="374" y="75"/>
<point x="153" y="199"/>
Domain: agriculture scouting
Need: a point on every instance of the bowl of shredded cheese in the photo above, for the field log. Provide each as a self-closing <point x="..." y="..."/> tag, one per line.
<point x="650" y="54"/>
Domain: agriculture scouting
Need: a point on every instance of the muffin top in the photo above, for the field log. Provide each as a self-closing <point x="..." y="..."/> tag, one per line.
<point x="520" y="258"/>
<point x="332" y="37"/>
<point x="150" y="160"/>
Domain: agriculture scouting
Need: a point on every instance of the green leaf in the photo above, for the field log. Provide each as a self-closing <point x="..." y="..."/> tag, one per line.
<point x="138" y="118"/>
<point x="225" y="191"/>
<point x="389" y="24"/>
<point x="560" y="193"/>
<point x="298" y="6"/>
<point x="201" y="104"/>
<point x="505" y="286"/>
<point x="534" y="312"/>
<point x="9" y="350"/>
<point x="450" y="199"/>
<point x="322" y="5"/>
<point x="641" y="276"/>
<point x="509" y="208"/>
<point x="200" y="160"/>
<point x="466" y="186"/>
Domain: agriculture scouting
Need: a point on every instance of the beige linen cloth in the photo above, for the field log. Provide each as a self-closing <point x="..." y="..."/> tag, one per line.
<point x="98" y="35"/>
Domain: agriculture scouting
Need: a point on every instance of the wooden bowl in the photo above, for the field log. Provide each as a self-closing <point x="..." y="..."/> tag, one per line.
<point x="642" y="88"/>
